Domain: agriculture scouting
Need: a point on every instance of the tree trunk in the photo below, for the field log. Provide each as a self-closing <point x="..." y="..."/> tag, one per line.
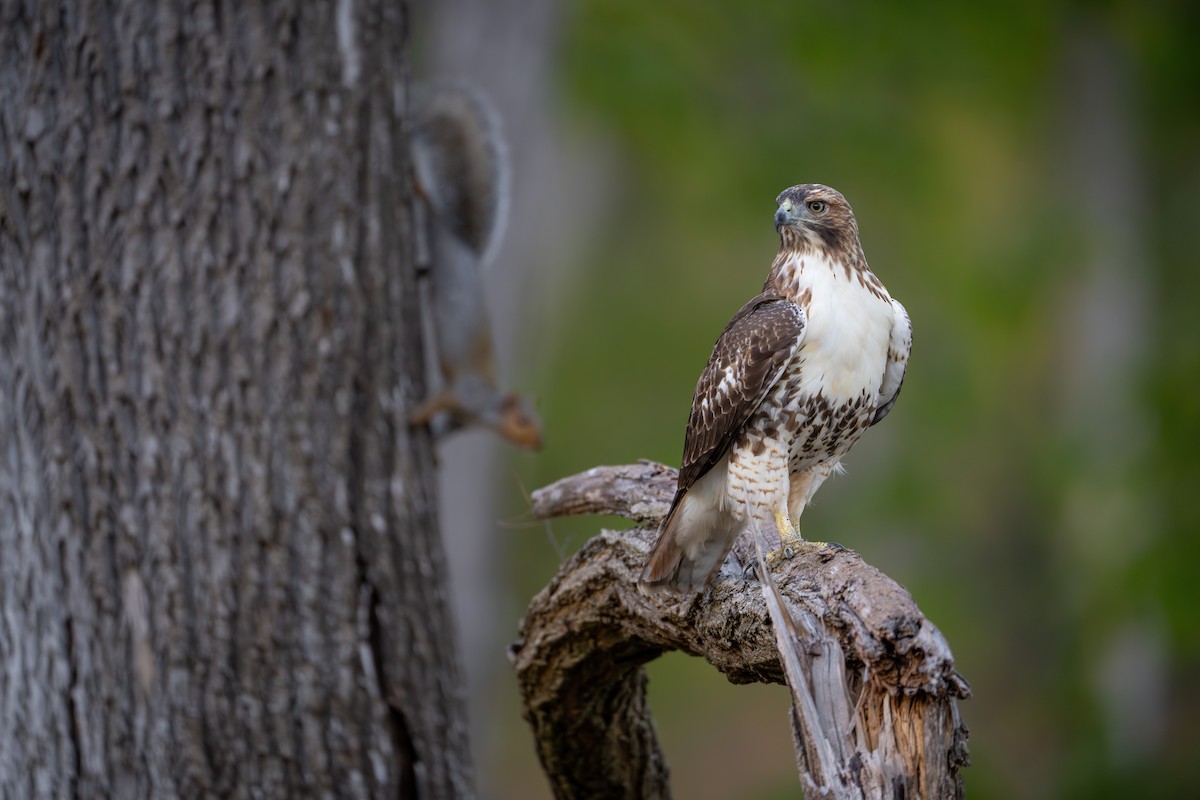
<point x="220" y="570"/>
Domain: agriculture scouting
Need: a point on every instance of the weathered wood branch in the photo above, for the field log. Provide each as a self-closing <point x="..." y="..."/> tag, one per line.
<point x="877" y="678"/>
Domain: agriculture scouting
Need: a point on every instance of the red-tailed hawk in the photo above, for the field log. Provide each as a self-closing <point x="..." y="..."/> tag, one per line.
<point x="794" y="379"/>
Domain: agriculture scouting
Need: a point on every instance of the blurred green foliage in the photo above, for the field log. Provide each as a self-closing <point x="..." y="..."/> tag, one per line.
<point x="1041" y="508"/>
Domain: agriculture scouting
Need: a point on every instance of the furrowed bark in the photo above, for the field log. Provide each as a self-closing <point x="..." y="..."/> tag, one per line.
<point x="877" y="678"/>
<point x="220" y="567"/>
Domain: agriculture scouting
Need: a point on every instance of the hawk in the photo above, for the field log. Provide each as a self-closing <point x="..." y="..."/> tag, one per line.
<point x="793" y="381"/>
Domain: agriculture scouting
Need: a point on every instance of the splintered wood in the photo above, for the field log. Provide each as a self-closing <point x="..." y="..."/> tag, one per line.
<point x="873" y="683"/>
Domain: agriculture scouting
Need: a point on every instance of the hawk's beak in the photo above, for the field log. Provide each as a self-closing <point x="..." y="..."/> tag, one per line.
<point x="784" y="215"/>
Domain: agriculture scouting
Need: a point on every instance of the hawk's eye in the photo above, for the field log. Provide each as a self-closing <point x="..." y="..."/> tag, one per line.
<point x="817" y="206"/>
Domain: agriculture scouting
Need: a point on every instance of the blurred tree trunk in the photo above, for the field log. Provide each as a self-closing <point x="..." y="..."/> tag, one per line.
<point x="220" y="570"/>
<point x="534" y="267"/>
<point x="1107" y="340"/>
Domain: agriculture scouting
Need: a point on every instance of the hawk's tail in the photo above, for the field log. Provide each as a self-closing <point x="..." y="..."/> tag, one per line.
<point x="689" y="552"/>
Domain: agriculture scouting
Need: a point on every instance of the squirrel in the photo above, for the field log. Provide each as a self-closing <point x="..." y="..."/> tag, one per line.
<point x="460" y="166"/>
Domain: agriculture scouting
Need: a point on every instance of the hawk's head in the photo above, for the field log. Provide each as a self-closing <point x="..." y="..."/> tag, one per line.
<point x="812" y="215"/>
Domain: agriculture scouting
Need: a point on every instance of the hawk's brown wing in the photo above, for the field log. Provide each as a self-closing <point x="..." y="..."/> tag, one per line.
<point x="746" y="361"/>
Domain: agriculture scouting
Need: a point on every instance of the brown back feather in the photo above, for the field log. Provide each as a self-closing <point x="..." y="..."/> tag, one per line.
<point x="755" y="346"/>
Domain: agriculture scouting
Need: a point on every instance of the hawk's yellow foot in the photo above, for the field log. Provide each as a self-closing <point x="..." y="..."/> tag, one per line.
<point x="794" y="547"/>
<point x="792" y="543"/>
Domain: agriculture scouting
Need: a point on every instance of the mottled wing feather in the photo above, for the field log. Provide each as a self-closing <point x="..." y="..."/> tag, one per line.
<point x="897" y="361"/>
<point x="746" y="361"/>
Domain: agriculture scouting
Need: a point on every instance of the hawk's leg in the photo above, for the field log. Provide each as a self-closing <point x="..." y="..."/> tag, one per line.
<point x="790" y="541"/>
<point x="789" y="537"/>
<point x="803" y="485"/>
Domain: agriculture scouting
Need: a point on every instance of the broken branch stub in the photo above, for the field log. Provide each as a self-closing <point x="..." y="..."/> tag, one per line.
<point x="873" y="682"/>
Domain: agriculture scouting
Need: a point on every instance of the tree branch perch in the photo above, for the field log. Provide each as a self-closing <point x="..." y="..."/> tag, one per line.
<point x="873" y="682"/>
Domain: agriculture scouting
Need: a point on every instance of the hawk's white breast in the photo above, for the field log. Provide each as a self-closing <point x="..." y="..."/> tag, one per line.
<point x="844" y="352"/>
<point x="828" y="391"/>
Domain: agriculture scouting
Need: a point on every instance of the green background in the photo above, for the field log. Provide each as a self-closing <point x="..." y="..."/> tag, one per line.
<point x="1026" y="178"/>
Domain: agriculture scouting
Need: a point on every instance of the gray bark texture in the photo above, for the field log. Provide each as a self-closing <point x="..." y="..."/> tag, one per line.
<point x="873" y="682"/>
<point x="220" y="569"/>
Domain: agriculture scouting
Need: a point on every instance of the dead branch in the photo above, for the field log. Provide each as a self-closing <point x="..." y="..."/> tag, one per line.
<point x="873" y="681"/>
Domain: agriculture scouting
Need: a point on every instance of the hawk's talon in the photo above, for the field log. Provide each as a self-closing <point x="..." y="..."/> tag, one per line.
<point x="791" y="547"/>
